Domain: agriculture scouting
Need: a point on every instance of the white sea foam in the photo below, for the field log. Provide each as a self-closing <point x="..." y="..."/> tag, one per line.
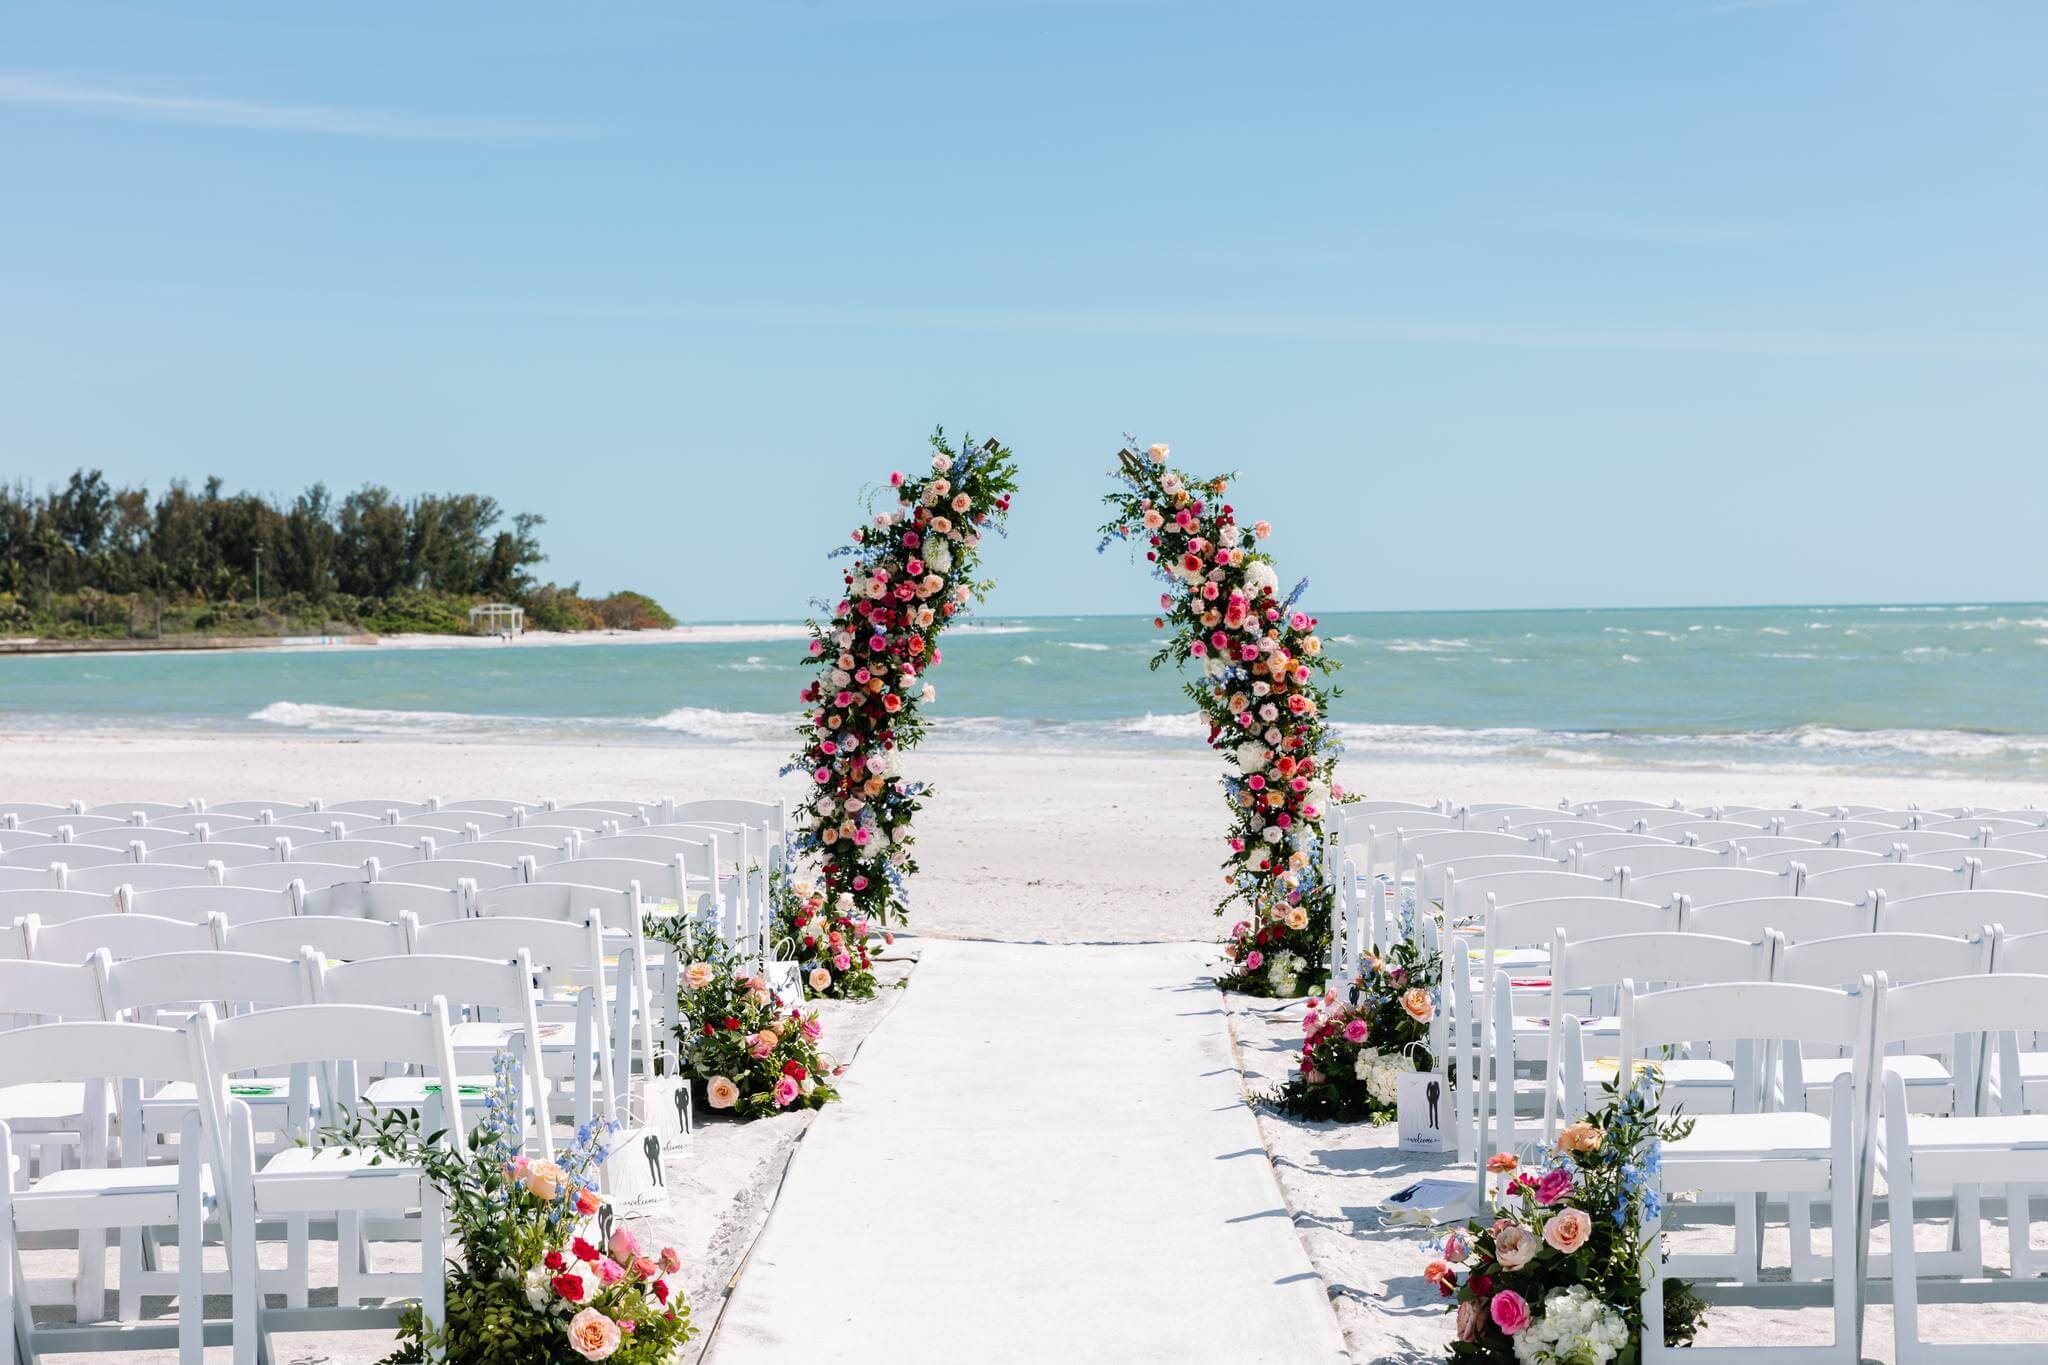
<point x="754" y="663"/>
<point x="1773" y="630"/>
<point x="969" y="628"/>
<point x="1089" y="645"/>
<point x="1426" y="646"/>
<point x="295" y="715"/>
<point x="1630" y="659"/>
<point x="1026" y="660"/>
<point x="1188" y="725"/>
<point x="702" y="722"/>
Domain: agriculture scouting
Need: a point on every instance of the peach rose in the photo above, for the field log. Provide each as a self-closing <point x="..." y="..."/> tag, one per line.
<point x="698" y="975"/>
<point x="593" y="1335"/>
<point x="544" y="1179"/>
<point x="821" y="979"/>
<point x="1514" y="1246"/>
<point x="1579" y="1137"/>
<point x="1568" y="1230"/>
<point x="721" y="1093"/>
<point x="1417" y="1003"/>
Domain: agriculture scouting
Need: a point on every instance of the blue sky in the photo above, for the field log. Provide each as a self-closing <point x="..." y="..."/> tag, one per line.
<point x="1495" y="305"/>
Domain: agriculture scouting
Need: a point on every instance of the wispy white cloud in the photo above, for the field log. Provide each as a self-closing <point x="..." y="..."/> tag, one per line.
<point x="49" y="92"/>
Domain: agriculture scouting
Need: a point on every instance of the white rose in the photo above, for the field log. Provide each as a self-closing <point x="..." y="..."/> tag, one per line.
<point x="1230" y="535"/>
<point x="1271" y="834"/>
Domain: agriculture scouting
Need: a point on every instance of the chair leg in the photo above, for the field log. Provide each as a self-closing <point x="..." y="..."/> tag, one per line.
<point x="2019" y="1217"/>
<point x="244" y="1277"/>
<point x="11" y="1344"/>
<point x="348" y="1258"/>
<point x="1799" y="1224"/>
<point x="91" y="1289"/>
<point x="1848" y="1283"/>
<point x="298" y="1258"/>
<point x="1905" y="1262"/>
<point x="433" y="1264"/>
<point x="135" y="1244"/>
<point x="1653" y="1289"/>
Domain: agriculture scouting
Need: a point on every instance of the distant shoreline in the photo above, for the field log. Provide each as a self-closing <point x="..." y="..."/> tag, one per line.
<point x="272" y="644"/>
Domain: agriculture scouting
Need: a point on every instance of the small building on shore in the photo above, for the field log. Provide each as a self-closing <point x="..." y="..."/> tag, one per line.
<point x="498" y="618"/>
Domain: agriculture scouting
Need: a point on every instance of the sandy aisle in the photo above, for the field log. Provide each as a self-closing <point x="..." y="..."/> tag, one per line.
<point x="1072" y="1175"/>
<point x="1110" y="845"/>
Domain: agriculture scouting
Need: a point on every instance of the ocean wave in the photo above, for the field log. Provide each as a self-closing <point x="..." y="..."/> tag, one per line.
<point x="297" y="715"/>
<point x="1088" y="645"/>
<point x="968" y="628"/>
<point x="754" y="663"/>
<point x="1425" y="646"/>
<point x="1630" y="659"/>
<point x="1773" y="630"/>
<point x="702" y="722"/>
<point x="1187" y="725"/>
<point x="1026" y="660"/>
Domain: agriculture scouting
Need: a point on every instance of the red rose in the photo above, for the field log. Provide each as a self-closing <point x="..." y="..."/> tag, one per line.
<point x="793" y="1070"/>
<point x="661" y="1290"/>
<point x="583" y="1251"/>
<point x="569" y="1287"/>
<point x="553" y="1260"/>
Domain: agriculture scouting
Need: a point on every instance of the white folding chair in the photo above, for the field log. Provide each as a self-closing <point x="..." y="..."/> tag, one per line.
<point x="229" y="855"/>
<point x="449" y="873"/>
<point x="1757" y="1151"/>
<point x="235" y="904"/>
<point x="393" y="900"/>
<point x="1796" y="918"/>
<point x="336" y="938"/>
<point x="1963" y="913"/>
<point x="1927" y="1155"/>
<point x="1896" y="880"/>
<point x="1814" y="858"/>
<point x="97" y="1197"/>
<point x="120" y="936"/>
<point x="1707" y="885"/>
<point x="138" y="876"/>
<point x="53" y="906"/>
<point x="335" y="1041"/>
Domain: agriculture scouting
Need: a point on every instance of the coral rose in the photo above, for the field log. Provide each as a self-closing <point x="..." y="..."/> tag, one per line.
<point x="1579" y="1137"/>
<point x="1568" y="1230"/>
<point x="721" y="1093"/>
<point x="1500" y="1163"/>
<point x="1417" y="1003"/>
<point x="593" y="1335"/>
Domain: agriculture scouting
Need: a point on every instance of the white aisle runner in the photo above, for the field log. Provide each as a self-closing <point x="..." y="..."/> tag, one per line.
<point x="1042" y="1156"/>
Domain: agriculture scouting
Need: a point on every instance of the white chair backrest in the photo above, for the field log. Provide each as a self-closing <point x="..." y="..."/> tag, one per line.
<point x="1707" y="831"/>
<point x="35" y="810"/>
<point x="311" y="876"/>
<point x="451" y="872"/>
<point x="1580" y="847"/>
<point x="1617" y="808"/>
<point x="216" y="851"/>
<point x="1797" y="918"/>
<point x="457" y="823"/>
<point x="1467" y="897"/>
<point x="2000" y="1006"/>
<point x="1981" y="828"/>
<point x="127" y="835"/>
<point x="1748" y="1012"/>
<point x="71" y="855"/>
<point x="1833" y="831"/>
<point x="1819" y="858"/>
<point x="1902" y="957"/>
<point x="356" y="852"/>
<point x="1530" y="924"/>
<point x="554" y="945"/>
<point x="388" y="900"/>
<point x="76" y="824"/>
<point x="235" y="904"/>
<point x="1753" y="846"/>
<point x="2020" y="953"/>
<point x="1650" y="860"/>
<point x="1659" y="958"/>
<point x="139" y="986"/>
<point x="53" y="906"/>
<point x="508" y="809"/>
<point x="48" y="991"/>
<point x="94" y="1051"/>
<point x="1896" y="880"/>
<point x="27" y="879"/>
<point x="616" y="907"/>
<point x="507" y="850"/>
<point x="340" y="937"/>
<point x="586" y="821"/>
<point x="1965" y="912"/>
<point x="254" y="810"/>
<point x="2015" y="877"/>
<point x="1911" y="840"/>
<point x="139" y="876"/>
<point x="660" y="883"/>
<point x="1708" y="885"/>
<point x="1556" y="823"/>
<point x="380" y="839"/>
<point x="380" y="808"/>
<point x="119" y="936"/>
<point x="1982" y="857"/>
<point x="773" y="814"/>
<point x="2034" y="841"/>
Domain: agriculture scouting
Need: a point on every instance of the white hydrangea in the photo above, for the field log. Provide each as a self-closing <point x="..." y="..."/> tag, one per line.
<point x="1574" y="1328"/>
<point x="1253" y="756"/>
<point x="938" y="556"/>
<point x="1259" y="576"/>
<point x="1285" y="972"/>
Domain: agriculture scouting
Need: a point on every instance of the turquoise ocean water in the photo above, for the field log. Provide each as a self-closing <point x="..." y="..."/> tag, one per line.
<point x="1950" y="689"/>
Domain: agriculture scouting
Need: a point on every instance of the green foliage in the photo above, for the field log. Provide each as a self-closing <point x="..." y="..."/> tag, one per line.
<point x="88" y="560"/>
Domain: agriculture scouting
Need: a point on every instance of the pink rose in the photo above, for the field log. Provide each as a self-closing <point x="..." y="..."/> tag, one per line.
<point x="1355" y="1031"/>
<point x="1510" y="1311"/>
<point x="1568" y="1230"/>
<point x="610" y="1271"/>
<point x="1455" y="1249"/>
<point x="1254" y="960"/>
<point x="1554" y="1185"/>
<point x="624" y="1245"/>
<point x="785" y="1093"/>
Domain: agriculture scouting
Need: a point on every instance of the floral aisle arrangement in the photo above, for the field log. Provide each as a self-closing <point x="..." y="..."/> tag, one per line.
<point x="1556" y="1278"/>
<point x="912" y="574"/>
<point x="1258" y="658"/>
<point x="831" y="946"/>
<point x="755" y="1053"/>
<point x="537" y="1284"/>
<point x="1353" y="1052"/>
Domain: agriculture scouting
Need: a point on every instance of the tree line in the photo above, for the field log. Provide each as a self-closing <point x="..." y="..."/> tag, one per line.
<point x="348" y="558"/>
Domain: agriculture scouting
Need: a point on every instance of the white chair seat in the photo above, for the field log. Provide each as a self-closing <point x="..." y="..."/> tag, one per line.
<point x="43" y="1106"/>
<point x="411" y="1092"/>
<point x="1784" y="1150"/>
<point x="299" y="1180"/>
<point x="2002" y="1133"/>
<point x="108" y="1197"/>
<point x="496" y="1035"/>
<point x="1929" y="1087"/>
